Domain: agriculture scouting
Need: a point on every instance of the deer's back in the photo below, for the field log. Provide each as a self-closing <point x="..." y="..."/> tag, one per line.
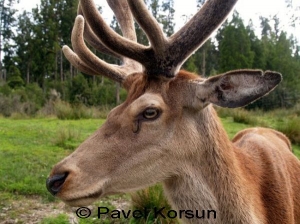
<point x="266" y="158"/>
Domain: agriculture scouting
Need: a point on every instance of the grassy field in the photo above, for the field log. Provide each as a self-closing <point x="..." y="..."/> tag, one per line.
<point x="30" y="147"/>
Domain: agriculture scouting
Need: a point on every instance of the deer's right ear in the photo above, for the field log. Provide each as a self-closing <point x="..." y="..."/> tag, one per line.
<point x="236" y="88"/>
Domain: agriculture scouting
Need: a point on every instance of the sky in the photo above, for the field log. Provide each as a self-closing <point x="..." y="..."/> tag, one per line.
<point x="248" y="9"/>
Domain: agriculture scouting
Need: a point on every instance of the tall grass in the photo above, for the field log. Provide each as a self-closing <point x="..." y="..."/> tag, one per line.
<point x="291" y="128"/>
<point x="13" y="107"/>
<point x="147" y="200"/>
<point x="286" y="121"/>
<point x="66" y="138"/>
<point x="243" y="116"/>
<point x="65" y="111"/>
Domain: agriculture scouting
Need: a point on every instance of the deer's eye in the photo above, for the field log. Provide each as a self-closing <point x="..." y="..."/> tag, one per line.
<point x="151" y="113"/>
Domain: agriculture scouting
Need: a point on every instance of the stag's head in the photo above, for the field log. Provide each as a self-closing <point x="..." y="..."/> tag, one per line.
<point x="159" y="122"/>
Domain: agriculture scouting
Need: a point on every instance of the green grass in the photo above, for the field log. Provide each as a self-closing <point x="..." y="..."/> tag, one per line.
<point x="59" y="219"/>
<point x="30" y="148"/>
<point x="232" y="127"/>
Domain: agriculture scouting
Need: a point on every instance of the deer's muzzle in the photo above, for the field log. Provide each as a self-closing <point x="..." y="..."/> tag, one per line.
<point x="55" y="183"/>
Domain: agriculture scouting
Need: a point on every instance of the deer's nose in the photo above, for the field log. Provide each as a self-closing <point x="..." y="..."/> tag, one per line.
<point x="55" y="183"/>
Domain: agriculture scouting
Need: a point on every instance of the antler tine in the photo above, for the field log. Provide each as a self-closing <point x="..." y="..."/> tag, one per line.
<point x="128" y="31"/>
<point x="109" y="37"/>
<point x="125" y="19"/>
<point x="93" y="40"/>
<point x="190" y="37"/>
<point x="75" y="61"/>
<point x="149" y="24"/>
<point x="85" y="60"/>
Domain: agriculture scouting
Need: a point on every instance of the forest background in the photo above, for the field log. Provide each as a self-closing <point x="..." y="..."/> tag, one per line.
<point x="36" y="79"/>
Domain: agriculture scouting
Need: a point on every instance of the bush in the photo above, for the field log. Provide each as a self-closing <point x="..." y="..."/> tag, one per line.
<point x="291" y="128"/>
<point x="66" y="111"/>
<point x="5" y="89"/>
<point x="147" y="200"/>
<point x="66" y="137"/>
<point x="13" y="105"/>
<point x="23" y="101"/>
<point x="243" y="116"/>
<point x="35" y="94"/>
<point x="63" y="110"/>
<point x="15" y="78"/>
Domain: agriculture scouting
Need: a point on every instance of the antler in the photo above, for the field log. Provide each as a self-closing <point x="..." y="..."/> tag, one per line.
<point x="163" y="57"/>
<point x="83" y="59"/>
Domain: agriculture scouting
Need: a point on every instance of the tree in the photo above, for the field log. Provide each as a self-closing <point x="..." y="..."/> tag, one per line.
<point x="25" y="51"/>
<point x="257" y="47"/>
<point x="50" y="26"/>
<point x="66" y="11"/>
<point x="14" y="77"/>
<point x="204" y="60"/>
<point x="167" y="17"/>
<point x="235" y="47"/>
<point x="79" y="90"/>
<point x="7" y="22"/>
<point x="294" y="13"/>
<point x="200" y="3"/>
<point x="265" y="26"/>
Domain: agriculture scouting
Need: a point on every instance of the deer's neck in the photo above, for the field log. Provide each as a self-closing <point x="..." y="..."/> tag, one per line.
<point x="210" y="179"/>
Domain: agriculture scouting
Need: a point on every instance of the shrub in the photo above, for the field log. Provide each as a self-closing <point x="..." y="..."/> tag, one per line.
<point x="65" y="138"/>
<point x="147" y="200"/>
<point x="243" y="116"/>
<point x="5" y="89"/>
<point x="296" y="109"/>
<point x="66" y="111"/>
<point x="47" y="110"/>
<point x="18" y="116"/>
<point x="80" y="91"/>
<point x="63" y="110"/>
<point x="23" y="101"/>
<point x="35" y="94"/>
<point x="6" y="105"/>
<point x="291" y="128"/>
<point x="223" y="112"/>
<point x="15" y="78"/>
<point x="82" y="112"/>
<point x="13" y="105"/>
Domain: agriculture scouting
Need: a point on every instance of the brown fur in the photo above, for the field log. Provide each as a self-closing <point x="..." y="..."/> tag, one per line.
<point x="274" y="167"/>
<point x="253" y="179"/>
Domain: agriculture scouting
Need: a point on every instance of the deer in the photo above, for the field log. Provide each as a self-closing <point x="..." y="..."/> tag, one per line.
<point x="167" y="130"/>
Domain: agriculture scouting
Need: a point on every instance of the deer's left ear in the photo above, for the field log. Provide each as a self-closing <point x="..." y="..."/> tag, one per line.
<point x="237" y="88"/>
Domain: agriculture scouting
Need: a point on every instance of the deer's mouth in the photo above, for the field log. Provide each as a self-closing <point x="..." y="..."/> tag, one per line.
<point x="82" y="201"/>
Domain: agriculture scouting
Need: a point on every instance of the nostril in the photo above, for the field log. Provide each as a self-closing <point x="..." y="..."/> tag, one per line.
<point x="55" y="183"/>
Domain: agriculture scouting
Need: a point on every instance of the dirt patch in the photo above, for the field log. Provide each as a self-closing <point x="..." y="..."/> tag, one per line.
<point x="32" y="210"/>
